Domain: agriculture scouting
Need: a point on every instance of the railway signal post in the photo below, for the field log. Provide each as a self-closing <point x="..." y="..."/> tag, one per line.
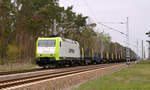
<point x="127" y="47"/>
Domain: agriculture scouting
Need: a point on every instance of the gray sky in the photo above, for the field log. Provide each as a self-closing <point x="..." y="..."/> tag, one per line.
<point x="117" y="11"/>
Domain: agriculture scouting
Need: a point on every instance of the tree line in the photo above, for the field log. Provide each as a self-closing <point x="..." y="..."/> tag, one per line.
<point x="23" y="21"/>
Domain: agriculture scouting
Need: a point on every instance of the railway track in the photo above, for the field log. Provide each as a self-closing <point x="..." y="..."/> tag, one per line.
<point x="21" y="81"/>
<point x="26" y="71"/>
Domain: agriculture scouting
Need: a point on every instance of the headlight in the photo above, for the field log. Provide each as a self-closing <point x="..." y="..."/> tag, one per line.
<point x="39" y="54"/>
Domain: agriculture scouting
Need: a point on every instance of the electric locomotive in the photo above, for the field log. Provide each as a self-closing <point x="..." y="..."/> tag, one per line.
<point x="56" y="51"/>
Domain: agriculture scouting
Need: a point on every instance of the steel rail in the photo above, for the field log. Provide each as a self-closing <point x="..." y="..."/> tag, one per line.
<point x="20" y="81"/>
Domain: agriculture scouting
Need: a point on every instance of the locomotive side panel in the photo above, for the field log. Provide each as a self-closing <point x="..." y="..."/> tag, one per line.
<point x="69" y="50"/>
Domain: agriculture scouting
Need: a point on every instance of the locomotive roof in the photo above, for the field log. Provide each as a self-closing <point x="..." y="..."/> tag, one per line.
<point x="70" y="41"/>
<point x="62" y="39"/>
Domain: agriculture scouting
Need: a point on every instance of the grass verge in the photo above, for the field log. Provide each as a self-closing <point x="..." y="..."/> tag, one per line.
<point x="17" y="67"/>
<point x="136" y="77"/>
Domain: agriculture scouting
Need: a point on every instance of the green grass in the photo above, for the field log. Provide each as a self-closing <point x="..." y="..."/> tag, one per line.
<point x="136" y="77"/>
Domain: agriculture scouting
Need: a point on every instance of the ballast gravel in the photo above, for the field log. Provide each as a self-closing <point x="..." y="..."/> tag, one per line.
<point x="70" y="81"/>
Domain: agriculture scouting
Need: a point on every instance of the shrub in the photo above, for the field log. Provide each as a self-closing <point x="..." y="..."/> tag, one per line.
<point x="13" y="53"/>
<point x="1" y="62"/>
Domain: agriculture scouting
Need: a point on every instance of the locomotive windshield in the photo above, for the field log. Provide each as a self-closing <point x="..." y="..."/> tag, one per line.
<point x="46" y="43"/>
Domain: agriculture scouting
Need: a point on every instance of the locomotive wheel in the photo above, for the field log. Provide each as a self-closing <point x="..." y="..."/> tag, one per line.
<point x="44" y="67"/>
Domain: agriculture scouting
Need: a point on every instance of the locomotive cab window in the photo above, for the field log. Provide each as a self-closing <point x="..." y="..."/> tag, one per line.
<point x="46" y="43"/>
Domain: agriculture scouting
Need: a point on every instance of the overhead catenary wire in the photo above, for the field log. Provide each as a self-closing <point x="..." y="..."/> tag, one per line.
<point x="90" y="9"/>
<point x="111" y="28"/>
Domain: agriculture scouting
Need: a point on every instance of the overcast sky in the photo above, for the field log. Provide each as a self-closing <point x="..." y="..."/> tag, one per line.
<point x="117" y="11"/>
